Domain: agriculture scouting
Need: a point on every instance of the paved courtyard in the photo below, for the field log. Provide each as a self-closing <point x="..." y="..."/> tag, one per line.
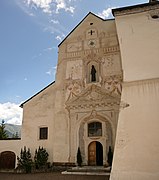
<point x="49" y="176"/>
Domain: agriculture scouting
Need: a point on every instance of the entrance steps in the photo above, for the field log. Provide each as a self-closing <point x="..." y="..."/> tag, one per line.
<point x="89" y="170"/>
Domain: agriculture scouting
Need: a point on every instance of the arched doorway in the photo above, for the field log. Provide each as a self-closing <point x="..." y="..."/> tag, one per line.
<point x="95" y="154"/>
<point x="7" y="160"/>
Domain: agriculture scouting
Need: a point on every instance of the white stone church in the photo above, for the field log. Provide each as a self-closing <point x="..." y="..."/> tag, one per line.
<point x="106" y="94"/>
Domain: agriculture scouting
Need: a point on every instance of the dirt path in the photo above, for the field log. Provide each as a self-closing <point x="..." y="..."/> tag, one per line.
<point x="49" y="176"/>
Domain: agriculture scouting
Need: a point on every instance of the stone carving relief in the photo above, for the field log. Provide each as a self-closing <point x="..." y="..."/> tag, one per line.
<point x="72" y="47"/>
<point x="91" y="97"/>
<point x="94" y="96"/>
<point x="91" y="43"/>
<point x="113" y="84"/>
<point x="93" y="114"/>
<point x="111" y="64"/>
<point x="154" y="14"/>
<point x="108" y="61"/>
<point x="91" y="56"/>
<point x="74" y="69"/>
<point x="73" y="89"/>
<point x="102" y="34"/>
<point x="91" y="33"/>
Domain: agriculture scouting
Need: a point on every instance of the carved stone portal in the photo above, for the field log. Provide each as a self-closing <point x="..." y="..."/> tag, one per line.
<point x="113" y="84"/>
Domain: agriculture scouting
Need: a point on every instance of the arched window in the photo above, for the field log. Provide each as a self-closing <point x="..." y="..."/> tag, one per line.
<point x="93" y="72"/>
<point x="94" y="129"/>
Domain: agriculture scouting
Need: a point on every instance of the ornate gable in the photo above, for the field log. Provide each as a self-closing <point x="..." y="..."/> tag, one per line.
<point x="93" y="96"/>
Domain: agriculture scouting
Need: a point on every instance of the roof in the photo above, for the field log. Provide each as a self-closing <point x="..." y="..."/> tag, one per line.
<point x="36" y="94"/>
<point x="81" y="22"/>
<point x="127" y="10"/>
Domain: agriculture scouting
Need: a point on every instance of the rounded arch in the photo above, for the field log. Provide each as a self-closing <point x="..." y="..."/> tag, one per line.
<point x="82" y="140"/>
<point x="7" y="160"/>
<point x="93" y="116"/>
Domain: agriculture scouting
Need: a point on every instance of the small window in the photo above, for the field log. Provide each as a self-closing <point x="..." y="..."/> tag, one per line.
<point x="43" y="133"/>
<point x="94" y="129"/>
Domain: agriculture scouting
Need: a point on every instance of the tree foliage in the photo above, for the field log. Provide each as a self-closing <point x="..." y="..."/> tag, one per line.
<point x="15" y="135"/>
<point x="25" y="161"/>
<point x="110" y="156"/>
<point x="3" y="132"/>
<point x="40" y="158"/>
<point x="79" y="157"/>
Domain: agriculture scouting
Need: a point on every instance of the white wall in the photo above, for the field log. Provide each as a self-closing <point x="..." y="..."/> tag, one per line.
<point x="11" y="145"/>
<point x="39" y="112"/>
<point x="139" y="44"/>
<point x="137" y="146"/>
<point x="136" y="154"/>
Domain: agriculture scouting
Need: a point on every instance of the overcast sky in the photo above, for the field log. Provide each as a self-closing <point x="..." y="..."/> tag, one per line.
<point x="30" y="32"/>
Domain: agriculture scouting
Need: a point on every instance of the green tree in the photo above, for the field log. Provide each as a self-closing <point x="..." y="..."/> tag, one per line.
<point x="3" y="132"/>
<point x="110" y="156"/>
<point x="40" y="158"/>
<point x="24" y="161"/>
<point x="15" y="135"/>
<point x="79" y="157"/>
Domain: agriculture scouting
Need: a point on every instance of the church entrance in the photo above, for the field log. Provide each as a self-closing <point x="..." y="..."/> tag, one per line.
<point x="95" y="154"/>
<point x="7" y="160"/>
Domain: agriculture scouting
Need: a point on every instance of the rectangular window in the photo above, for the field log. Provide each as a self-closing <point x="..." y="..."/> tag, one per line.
<point x="94" y="129"/>
<point x="43" y="133"/>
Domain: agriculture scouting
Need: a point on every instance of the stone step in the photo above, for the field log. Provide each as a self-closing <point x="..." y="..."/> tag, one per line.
<point x="88" y="170"/>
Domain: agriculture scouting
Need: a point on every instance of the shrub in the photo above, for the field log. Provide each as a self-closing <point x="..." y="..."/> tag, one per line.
<point x="3" y="132"/>
<point x="110" y="156"/>
<point x="25" y="161"/>
<point x="79" y="157"/>
<point x="40" y="158"/>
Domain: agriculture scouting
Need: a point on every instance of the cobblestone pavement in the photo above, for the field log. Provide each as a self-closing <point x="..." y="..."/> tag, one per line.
<point x="49" y="176"/>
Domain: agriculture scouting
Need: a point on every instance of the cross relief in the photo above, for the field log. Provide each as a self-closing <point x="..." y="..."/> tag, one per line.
<point x="91" y="33"/>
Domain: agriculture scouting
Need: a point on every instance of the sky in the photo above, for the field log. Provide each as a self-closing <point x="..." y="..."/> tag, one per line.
<point x="30" y="31"/>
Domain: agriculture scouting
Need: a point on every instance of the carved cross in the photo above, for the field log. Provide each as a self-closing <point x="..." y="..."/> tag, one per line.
<point x="91" y="32"/>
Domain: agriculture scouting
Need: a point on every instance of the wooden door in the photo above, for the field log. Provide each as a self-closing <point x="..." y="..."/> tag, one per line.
<point x="7" y="160"/>
<point x="92" y="154"/>
<point x="99" y="154"/>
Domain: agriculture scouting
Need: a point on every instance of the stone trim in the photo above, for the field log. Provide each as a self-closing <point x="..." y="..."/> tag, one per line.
<point x="105" y="50"/>
<point x="95" y="105"/>
<point x="64" y="164"/>
<point x="138" y="82"/>
<point x="135" y="9"/>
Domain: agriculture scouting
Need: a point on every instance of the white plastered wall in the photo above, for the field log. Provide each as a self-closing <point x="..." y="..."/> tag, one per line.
<point x="139" y="44"/>
<point x="11" y="145"/>
<point x="136" y="155"/>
